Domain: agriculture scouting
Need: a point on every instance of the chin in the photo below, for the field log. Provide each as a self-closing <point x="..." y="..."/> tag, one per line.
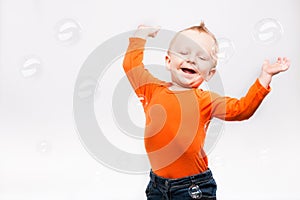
<point x="196" y="84"/>
<point x="191" y="86"/>
<point x="190" y="83"/>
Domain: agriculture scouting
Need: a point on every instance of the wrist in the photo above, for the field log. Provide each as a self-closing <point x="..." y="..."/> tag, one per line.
<point x="265" y="79"/>
<point x="140" y="34"/>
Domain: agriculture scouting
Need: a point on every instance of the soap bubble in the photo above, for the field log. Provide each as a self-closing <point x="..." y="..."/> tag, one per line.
<point x="31" y="66"/>
<point x="224" y="51"/>
<point x="68" y="31"/>
<point x="43" y="147"/>
<point x="267" y="31"/>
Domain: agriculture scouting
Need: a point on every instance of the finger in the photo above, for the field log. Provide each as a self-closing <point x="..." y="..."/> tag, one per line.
<point x="279" y="60"/>
<point x="153" y="34"/>
<point x="276" y="68"/>
<point x="155" y="31"/>
<point x="288" y="64"/>
<point x="157" y="27"/>
<point x="283" y="61"/>
<point x="141" y="26"/>
<point x="284" y="68"/>
<point x="286" y="61"/>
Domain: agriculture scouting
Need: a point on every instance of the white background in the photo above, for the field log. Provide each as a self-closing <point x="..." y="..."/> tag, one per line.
<point x="41" y="156"/>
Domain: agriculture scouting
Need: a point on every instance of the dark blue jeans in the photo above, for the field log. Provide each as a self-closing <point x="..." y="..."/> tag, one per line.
<point x="200" y="186"/>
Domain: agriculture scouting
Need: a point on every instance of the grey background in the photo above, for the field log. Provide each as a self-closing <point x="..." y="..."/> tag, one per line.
<point x="41" y="155"/>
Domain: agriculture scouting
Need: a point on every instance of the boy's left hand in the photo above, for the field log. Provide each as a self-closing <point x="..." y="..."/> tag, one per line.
<point x="269" y="70"/>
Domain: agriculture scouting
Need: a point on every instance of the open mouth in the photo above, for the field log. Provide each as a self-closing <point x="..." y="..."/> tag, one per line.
<point x="188" y="71"/>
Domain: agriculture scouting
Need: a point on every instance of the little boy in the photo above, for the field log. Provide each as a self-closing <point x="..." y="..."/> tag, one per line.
<point x="177" y="112"/>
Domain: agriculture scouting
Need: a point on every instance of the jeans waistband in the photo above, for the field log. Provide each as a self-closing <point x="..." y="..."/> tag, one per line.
<point x="166" y="182"/>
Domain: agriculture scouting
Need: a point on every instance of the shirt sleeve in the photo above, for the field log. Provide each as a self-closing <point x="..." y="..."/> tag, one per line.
<point x="233" y="109"/>
<point x="140" y="78"/>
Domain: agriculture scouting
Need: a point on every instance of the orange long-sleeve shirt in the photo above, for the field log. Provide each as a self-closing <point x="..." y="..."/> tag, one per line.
<point x="175" y="120"/>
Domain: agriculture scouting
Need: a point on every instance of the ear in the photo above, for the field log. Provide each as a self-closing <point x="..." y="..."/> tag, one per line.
<point x="168" y="62"/>
<point x="210" y="74"/>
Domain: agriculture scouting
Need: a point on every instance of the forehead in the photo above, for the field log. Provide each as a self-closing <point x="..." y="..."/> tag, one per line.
<point x="193" y="39"/>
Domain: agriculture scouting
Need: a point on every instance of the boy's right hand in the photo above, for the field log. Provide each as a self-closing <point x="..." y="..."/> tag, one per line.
<point x="146" y="31"/>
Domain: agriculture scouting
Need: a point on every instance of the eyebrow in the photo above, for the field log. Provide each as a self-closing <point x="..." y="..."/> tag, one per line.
<point x="204" y="52"/>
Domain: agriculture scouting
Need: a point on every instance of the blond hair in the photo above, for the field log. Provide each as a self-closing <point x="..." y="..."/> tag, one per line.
<point x="201" y="29"/>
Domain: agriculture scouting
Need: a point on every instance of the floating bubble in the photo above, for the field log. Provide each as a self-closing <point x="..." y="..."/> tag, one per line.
<point x="43" y="147"/>
<point x="267" y="31"/>
<point x="32" y="66"/>
<point x="224" y="51"/>
<point x="68" y="31"/>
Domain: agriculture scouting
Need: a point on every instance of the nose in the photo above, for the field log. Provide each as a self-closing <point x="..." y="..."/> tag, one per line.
<point x="191" y="59"/>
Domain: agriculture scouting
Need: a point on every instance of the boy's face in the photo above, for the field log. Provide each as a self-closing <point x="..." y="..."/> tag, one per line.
<point x="190" y="59"/>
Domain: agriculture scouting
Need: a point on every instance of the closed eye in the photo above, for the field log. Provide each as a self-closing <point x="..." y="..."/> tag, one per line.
<point x="183" y="52"/>
<point x="202" y="58"/>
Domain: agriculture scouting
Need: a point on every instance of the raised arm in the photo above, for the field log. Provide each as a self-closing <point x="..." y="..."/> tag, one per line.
<point x="233" y="109"/>
<point x="240" y="109"/>
<point x="135" y="51"/>
<point x="141" y="80"/>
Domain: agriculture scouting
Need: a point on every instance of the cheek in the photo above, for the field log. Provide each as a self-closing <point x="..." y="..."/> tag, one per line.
<point x="176" y="62"/>
<point x="205" y="66"/>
